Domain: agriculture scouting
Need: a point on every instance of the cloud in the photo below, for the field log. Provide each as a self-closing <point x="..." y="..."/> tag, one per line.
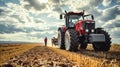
<point x="113" y="27"/>
<point x="1" y="10"/>
<point x="105" y="15"/>
<point x="8" y="28"/>
<point x="38" y="20"/>
<point x="56" y="1"/>
<point x="32" y="20"/>
<point x="110" y="13"/>
<point x="59" y="1"/>
<point x="35" y="4"/>
<point x="83" y="4"/>
<point x="112" y="23"/>
<point x="18" y="20"/>
<point x="115" y="32"/>
<point x="28" y="7"/>
<point x="57" y="8"/>
<point x="118" y="1"/>
<point x="106" y="2"/>
<point x="19" y="36"/>
<point x="2" y="3"/>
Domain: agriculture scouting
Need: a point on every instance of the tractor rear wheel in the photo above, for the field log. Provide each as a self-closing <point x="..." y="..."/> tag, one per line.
<point x="102" y="46"/>
<point x="71" y="40"/>
<point x="61" y="39"/>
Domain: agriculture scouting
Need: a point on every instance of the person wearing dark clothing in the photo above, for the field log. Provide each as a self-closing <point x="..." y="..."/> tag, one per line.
<point x="45" y="40"/>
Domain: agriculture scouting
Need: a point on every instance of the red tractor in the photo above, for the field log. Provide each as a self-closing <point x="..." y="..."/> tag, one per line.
<point x="79" y="30"/>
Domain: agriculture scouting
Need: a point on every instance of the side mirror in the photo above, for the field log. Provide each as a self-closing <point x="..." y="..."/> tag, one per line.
<point x="92" y="17"/>
<point x="61" y="16"/>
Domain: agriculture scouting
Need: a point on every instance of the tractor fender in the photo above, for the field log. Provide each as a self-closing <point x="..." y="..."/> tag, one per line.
<point x="99" y="28"/>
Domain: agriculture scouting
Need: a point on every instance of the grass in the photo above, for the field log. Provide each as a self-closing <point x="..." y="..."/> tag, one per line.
<point x="8" y="51"/>
<point x="115" y="47"/>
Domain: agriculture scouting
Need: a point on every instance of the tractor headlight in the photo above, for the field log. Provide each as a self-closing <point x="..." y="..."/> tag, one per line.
<point x="92" y="30"/>
<point x="87" y="30"/>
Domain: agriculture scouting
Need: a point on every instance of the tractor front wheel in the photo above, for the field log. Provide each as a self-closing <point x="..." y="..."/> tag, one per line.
<point x="102" y="46"/>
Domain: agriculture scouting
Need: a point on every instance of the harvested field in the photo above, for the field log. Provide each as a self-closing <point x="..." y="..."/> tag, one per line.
<point x="8" y="51"/>
<point x="91" y="58"/>
<point x="39" y="56"/>
<point x="35" y="55"/>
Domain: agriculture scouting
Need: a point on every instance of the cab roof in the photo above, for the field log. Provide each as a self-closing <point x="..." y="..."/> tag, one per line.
<point x="75" y="13"/>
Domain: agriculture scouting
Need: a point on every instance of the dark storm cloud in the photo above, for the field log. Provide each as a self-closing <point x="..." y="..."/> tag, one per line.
<point x="35" y="4"/>
<point x="111" y="13"/>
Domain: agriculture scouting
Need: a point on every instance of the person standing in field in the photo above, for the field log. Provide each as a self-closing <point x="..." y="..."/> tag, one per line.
<point x="45" y="40"/>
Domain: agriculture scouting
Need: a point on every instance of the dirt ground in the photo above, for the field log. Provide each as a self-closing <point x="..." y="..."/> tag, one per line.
<point x="91" y="58"/>
<point x="41" y="56"/>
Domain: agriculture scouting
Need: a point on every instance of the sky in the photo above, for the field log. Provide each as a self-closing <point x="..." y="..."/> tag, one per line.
<point x="32" y="20"/>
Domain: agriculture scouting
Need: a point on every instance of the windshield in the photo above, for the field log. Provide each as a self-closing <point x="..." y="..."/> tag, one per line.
<point x="73" y="19"/>
<point x="87" y="17"/>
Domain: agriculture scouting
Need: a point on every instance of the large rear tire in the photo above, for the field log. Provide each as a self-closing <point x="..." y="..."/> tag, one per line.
<point x="61" y="39"/>
<point x="102" y="46"/>
<point x="71" y="40"/>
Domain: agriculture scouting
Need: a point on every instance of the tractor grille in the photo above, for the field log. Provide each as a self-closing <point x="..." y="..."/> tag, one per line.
<point x="89" y="26"/>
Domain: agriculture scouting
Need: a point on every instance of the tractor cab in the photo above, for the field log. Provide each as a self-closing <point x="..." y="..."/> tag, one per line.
<point x="72" y="19"/>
